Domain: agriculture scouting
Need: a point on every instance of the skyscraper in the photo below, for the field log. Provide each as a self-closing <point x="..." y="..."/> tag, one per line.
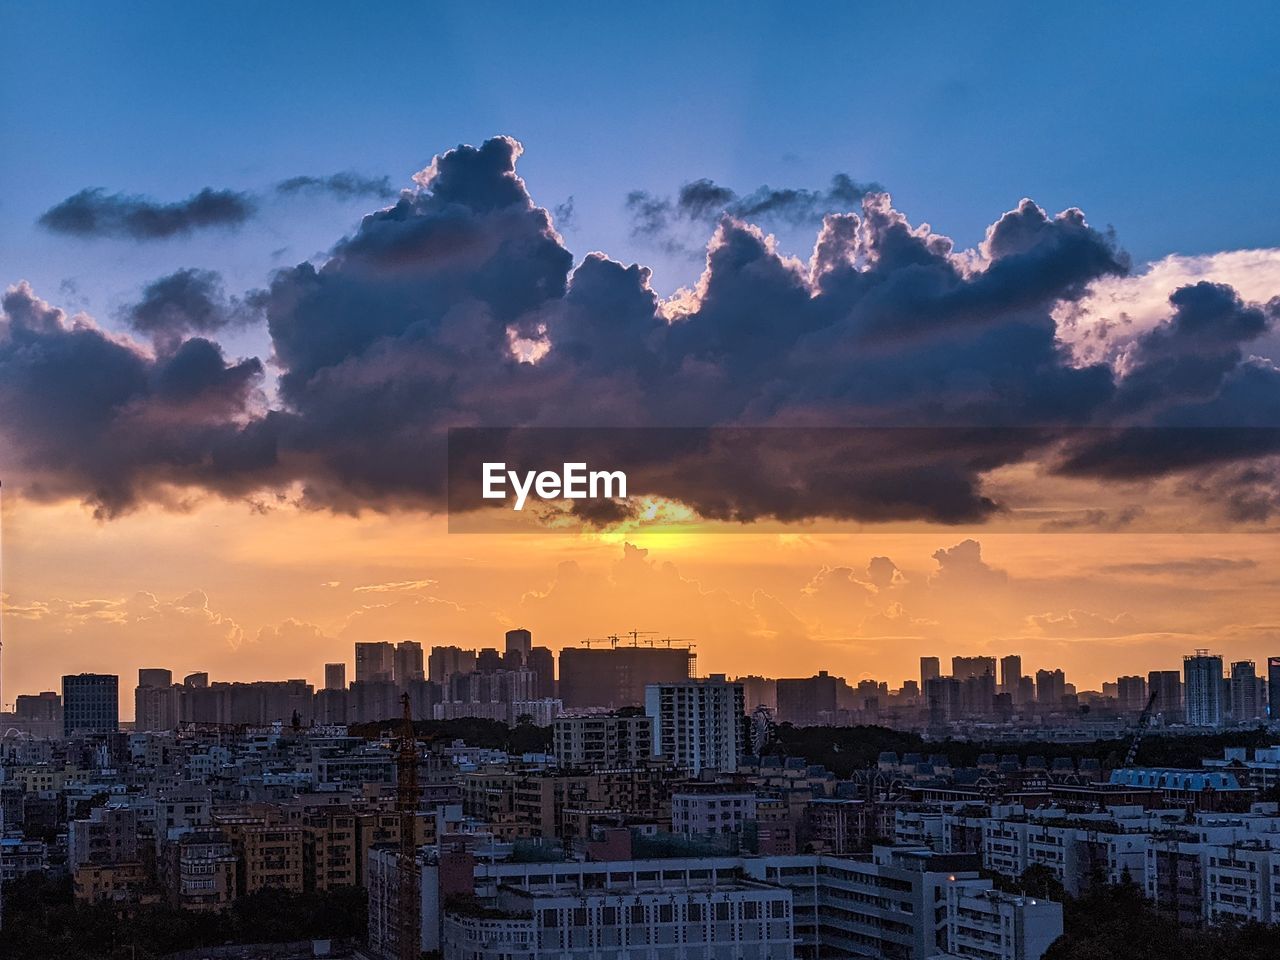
<point x="1273" y="688"/>
<point x="698" y="724"/>
<point x="1132" y="694"/>
<point x="543" y="664"/>
<point x="1010" y="675"/>
<point x="808" y="701"/>
<point x="1202" y="679"/>
<point x="155" y="700"/>
<point x="1051" y="687"/>
<point x="1167" y="686"/>
<point x="930" y="669"/>
<point x="966" y="668"/>
<point x="91" y="703"/>
<point x="1246" y="704"/>
<point x="444" y="662"/>
<point x="375" y="661"/>
<point x="408" y="662"/>
<point x="335" y="676"/>
<point x="519" y="642"/>
<point x="617" y="676"/>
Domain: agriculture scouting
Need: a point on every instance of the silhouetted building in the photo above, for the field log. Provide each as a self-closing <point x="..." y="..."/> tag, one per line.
<point x="1010" y="674"/>
<point x="375" y="661"/>
<point x="1273" y="688"/>
<point x="1246" y="695"/>
<point x="335" y="676"/>
<point x="617" y="676"/>
<point x="408" y="663"/>
<point x="962" y="668"/>
<point x="488" y="660"/>
<point x="520" y="642"/>
<point x="808" y="701"/>
<point x="90" y="703"/>
<point x="444" y="662"/>
<point x="156" y="701"/>
<point x="1167" y="686"/>
<point x="1051" y="687"/>
<point x="543" y="664"/>
<point x="1131" y="694"/>
<point x="930" y="668"/>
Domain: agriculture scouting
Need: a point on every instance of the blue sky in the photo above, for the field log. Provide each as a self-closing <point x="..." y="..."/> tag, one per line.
<point x="1162" y="120"/>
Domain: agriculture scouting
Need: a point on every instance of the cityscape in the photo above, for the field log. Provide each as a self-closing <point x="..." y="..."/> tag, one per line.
<point x="597" y="481"/>
<point x="507" y="802"/>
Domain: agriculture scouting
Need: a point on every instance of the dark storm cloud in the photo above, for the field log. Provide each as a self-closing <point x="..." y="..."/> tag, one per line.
<point x="186" y="301"/>
<point x="95" y="213"/>
<point x="422" y="318"/>
<point x="704" y="202"/>
<point x="344" y="186"/>
<point x="82" y="414"/>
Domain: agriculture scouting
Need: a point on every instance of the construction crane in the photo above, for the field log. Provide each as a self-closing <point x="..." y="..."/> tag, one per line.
<point x="1143" y="719"/>
<point x="409" y="933"/>
<point x="637" y="637"/>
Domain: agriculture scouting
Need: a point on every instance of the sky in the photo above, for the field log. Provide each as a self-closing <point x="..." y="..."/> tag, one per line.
<point x="220" y="393"/>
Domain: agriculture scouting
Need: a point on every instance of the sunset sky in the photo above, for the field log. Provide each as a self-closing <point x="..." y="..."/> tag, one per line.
<point x="259" y="261"/>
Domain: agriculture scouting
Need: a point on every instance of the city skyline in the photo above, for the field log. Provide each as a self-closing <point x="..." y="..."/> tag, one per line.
<point x="284" y="308"/>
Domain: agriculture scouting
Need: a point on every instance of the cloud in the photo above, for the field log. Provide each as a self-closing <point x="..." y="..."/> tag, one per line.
<point x="703" y="202"/>
<point x="399" y="586"/>
<point x="459" y="305"/>
<point x="95" y="213"/>
<point x="185" y="302"/>
<point x="343" y="186"/>
<point x="1186" y="567"/>
<point x="1082" y="623"/>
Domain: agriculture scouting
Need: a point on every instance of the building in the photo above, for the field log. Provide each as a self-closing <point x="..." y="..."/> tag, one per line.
<point x="1273" y="689"/>
<point x="1051" y="687"/>
<point x="616" y="676"/>
<point x="444" y="662"/>
<point x="90" y="703"/>
<point x="965" y="668"/>
<point x="519" y="646"/>
<point x="1131" y="694"/>
<point x="408" y="663"/>
<point x="1202" y="679"/>
<point x="1011" y="675"/>
<point x="602" y="741"/>
<point x="698" y="724"/>
<point x="335" y="676"/>
<point x="542" y="662"/>
<point x="712" y="810"/>
<point x="808" y="701"/>
<point x="930" y="669"/>
<point x="108" y="835"/>
<point x="1167" y="686"/>
<point x="157" y="702"/>
<point x="376" y="662"/>
<point x="992" y="925"/>
<point x="1247" y="702"/>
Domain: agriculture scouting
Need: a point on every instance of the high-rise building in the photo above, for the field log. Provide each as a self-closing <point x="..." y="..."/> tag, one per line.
<point x="520" y="642"/>
<point x="808" y="701"/>
<point x="1202" y="679"/>
<point x="1246" y="700"/>
<point x="1273" y="688"/>
<point x="335" y="676"/>
<point x="1010" y="674"/>
<point x="1051" y="687"/>
<point x="408" y="663"/>
<point x="444" y="662"/>
<point x="1131" y="694"/>
<point x="375" y="662"/>
<point x="930" y="669"/>
<point x="617" y="676"/>
<point x="543" y="664"/>
<point x="1167" y="686"/>
<point x="698" y="724"/>
<point x="90" y="703"/>
<point x="156" y="704"/>
<point x="965" y="668"/>
<point x="488" y="660"/>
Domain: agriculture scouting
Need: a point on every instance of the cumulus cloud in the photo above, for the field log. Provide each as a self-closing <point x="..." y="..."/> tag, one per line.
<point x="459" y="305"/>
<point x="95" y="213"/>
<point x="703" y="202"/>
